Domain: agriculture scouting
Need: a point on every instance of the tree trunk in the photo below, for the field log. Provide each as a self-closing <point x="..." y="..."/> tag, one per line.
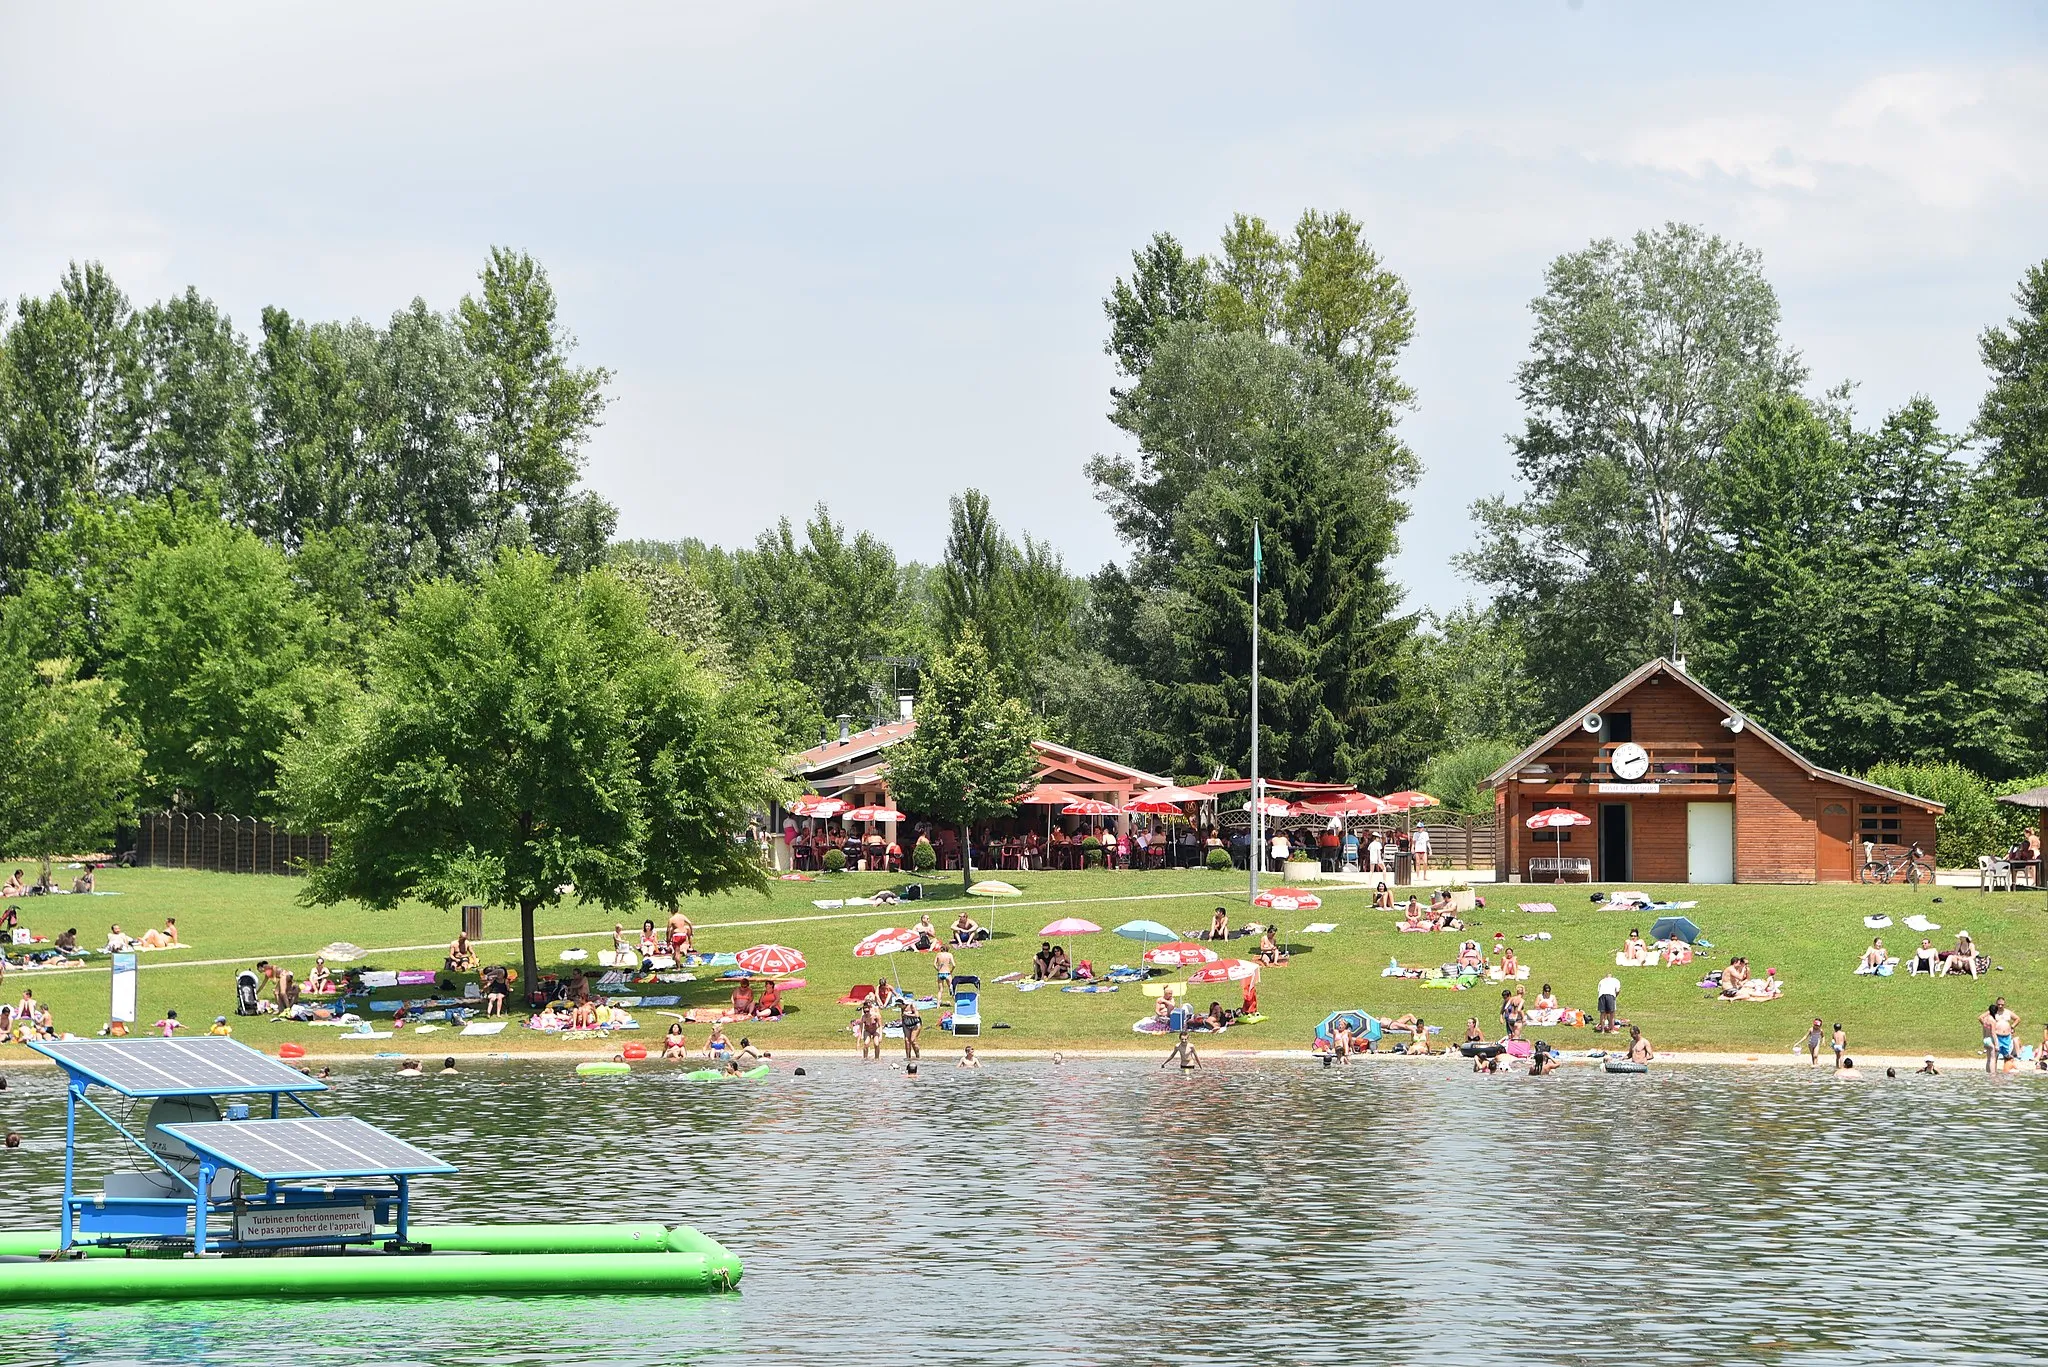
<point x="529" y="961"/>
<point x="966" y="856"/>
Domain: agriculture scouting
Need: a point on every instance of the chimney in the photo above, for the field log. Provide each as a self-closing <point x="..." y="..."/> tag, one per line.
<point x="845" y="729"/>
<point x="905" y="703"/>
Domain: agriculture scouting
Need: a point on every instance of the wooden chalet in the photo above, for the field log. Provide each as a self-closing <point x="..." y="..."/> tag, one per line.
<point x="1681" y="788"/>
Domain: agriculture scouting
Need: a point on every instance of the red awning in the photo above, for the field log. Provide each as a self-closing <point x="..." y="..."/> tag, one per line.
<point x="1276" y="785"/>
<point x="1046" y="796"/>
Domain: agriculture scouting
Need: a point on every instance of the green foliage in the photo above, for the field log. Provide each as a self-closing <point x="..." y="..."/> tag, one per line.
<point x="525" y="734"/>
<point x="1455" y="775"/>
<point x="1218" y="859"/>
<point x="220" y="661"/>
<point x="1645" y="356"/>
<point x="1091" y="852"/>
<point x="1475" y="664"/>
<point x="2014" y="424"/>
<point x="971" y="754"/>
<point x="835" y="861"/>
<point x="70" y="774"/>
<point x="1018" y="599"/>
<point x="923" y="857"/>
<point x="1973" y="823"/>
<point x="1234" y="429"/>
<point x="536" y="411"/>
<point x="1853" y="599"/>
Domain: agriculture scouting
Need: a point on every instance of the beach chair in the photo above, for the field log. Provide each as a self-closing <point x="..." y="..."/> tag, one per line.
<point x="966" y="1005"/>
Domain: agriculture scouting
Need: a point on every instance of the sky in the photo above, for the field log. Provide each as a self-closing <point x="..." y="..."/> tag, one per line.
<point x="855" y="254"/>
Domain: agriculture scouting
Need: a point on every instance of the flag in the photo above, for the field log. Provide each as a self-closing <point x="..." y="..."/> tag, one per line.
<point x="1258" y="555"/>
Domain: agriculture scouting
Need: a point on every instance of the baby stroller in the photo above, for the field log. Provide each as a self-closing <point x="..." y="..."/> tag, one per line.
<point x="245" y="993"/>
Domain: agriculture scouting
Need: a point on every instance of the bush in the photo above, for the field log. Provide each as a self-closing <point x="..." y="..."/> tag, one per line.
<point x="1091" y="853"/>
<point x="1454" y="775"/>
<point x="1219" y="859"/>
<point x="835" y="861"/>
<point x="923" y="857"/>
<point x="1975" y="822"/>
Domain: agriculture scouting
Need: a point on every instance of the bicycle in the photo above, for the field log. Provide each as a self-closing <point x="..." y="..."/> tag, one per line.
<point x="1912" y="864"/>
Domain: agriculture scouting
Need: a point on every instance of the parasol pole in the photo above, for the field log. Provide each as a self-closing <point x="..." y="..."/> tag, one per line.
<point x="1258" y="844"/>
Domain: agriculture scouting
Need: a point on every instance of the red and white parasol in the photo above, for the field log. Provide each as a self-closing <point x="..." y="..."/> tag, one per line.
<point x="1180" y="954"/>
<point x="1225" y="971"/>
<point x="772" y="960"/>
<point x="1287" y="899"/>
<point x="1410" y="801"/>
<point x="810" y="804"/>
<point x="1090" y="807"/>
<point x="889" y="940"/>
<point x="1556" y="818"/>
<point x="873" y="814"/>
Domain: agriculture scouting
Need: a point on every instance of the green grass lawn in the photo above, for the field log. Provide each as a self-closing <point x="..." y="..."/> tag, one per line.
<point x="1812" y="936"/>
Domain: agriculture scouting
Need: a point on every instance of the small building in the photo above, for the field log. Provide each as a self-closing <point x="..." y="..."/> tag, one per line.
<point x="1679" y="787"/>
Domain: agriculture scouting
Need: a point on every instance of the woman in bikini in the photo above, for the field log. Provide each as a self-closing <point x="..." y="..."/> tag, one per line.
<point x="1269" y="948"/>
<point x="1546" y="1000"/>
<point x="1382" y="898"/>
<point x="1219" y="924"/>
<point x="673" y="1044"/>
<point x="1411" y="919"/>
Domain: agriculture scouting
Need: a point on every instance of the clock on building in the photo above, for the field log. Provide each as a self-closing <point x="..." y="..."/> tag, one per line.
<point x="1629" y="761"/>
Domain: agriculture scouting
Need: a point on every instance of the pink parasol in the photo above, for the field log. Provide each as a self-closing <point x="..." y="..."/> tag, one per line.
<point x="1179" y="795"/>
<point x="1225" y="971"/>
<point x="873" y="814"/>
<point x="1180" y="954"/>
<point x="1350" y="804"/>
<point x="1287" y="899"/>
<point x="770" y="959"/>
<point x="1071" y="925"/>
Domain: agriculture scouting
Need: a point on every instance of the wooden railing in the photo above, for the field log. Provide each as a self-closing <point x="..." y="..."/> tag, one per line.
<point x="1672" y="764"/>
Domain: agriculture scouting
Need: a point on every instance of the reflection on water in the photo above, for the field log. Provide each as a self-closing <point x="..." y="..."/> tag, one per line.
<point x="1110" y="1212"/>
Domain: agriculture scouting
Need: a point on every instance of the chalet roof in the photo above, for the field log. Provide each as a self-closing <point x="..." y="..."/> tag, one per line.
<point x="857" y="760"/>
<point x="1749" y="724"/>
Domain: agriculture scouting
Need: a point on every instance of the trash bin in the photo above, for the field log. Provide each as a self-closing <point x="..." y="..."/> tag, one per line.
<point x="1404" y="869"/>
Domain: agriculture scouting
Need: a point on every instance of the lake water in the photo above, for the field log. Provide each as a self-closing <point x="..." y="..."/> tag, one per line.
<point x="1108" y="1212"/>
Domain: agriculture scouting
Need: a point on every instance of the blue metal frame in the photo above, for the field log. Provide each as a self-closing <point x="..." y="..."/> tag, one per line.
<point x="386" y="1206"/>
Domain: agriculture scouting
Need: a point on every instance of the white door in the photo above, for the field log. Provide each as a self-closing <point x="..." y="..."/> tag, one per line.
<point x="1709" y="842"/>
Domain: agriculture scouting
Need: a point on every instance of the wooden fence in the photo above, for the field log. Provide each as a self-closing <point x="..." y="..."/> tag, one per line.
<point x="219" y="843"/>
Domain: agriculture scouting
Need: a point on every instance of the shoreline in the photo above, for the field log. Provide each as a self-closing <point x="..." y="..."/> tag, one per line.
<point x="1868" y="1064"/>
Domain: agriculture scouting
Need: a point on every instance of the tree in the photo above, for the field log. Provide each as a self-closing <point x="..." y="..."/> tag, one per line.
<point x="1019" y="600"/>
<point x="1644" y="357"/>
<point x="2013" y="423"/>
<point x="1454" y="775"/>
<point x="1475" y="671"/>
<point x="61" y="373"/>
<point x="220" y="661"/>
<point x="522" y="735"/>
<point x="535" y="411"/>
<point x="187" y="411"/>
<point x="1777" y="592"/>
<point x="1166" y="286"/>
<point x="970" y="756"/>
<point x="70" y="774"/>
<point x="1233" y="430"/>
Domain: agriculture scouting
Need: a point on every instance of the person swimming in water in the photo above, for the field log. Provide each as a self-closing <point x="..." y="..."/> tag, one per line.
<point x="1183" y="1054"/>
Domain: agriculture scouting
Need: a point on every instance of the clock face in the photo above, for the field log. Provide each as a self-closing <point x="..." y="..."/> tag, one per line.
<point x="1630" y="761"/>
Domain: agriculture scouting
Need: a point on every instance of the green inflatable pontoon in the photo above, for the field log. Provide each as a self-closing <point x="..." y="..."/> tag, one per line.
<point x="307" y="1205"/>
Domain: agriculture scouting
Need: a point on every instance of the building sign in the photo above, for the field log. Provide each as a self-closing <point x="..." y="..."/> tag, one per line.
<point x="259" y="1223"/>
<point x="1629" y="788"/>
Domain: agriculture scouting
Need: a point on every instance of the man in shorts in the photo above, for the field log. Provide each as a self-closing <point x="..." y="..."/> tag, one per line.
<point x="1610" y="996"/>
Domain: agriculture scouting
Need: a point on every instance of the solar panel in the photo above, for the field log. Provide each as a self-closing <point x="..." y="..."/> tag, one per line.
<point x="318" y="1146"/>
<point x="206" y="1066"/>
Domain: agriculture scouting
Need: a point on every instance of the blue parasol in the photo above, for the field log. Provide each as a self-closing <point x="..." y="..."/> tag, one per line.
<point x="1675" y="928"/>
<point x="1150" y="931"/>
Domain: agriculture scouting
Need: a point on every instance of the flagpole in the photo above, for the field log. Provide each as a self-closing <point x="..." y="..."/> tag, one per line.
<point x="1258" y="824"/>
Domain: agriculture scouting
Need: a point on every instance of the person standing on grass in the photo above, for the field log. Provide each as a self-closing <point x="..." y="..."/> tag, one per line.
<point x="1841" y="1042"/>
<point x="1610" y="999"/>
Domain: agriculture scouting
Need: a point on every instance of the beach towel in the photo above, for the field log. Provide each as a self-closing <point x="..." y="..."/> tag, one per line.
<point x="1319" y="928"/>
<point x="1403" y="925"/>
<point x="1539" y="906"/>
<point x="483" y="1027"/>
<point x="1877" y="922"/>
<point x="1883" y="970"/>
<point x="1089" y="987"/>
<point x="1921" y="923"/>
